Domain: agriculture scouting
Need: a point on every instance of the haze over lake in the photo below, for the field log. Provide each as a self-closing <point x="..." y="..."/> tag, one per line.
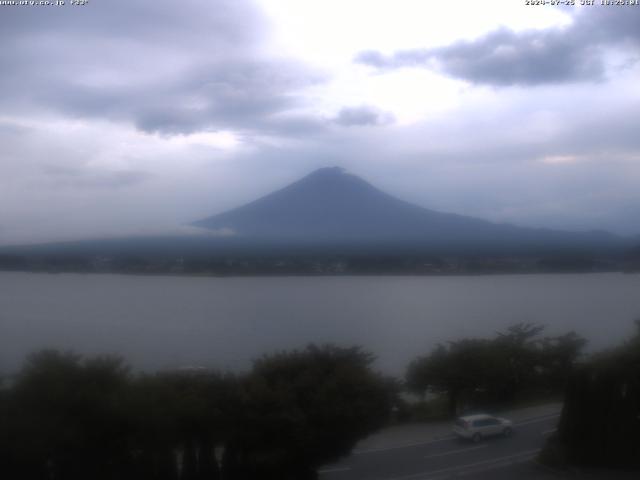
<point x="166" y="322"/>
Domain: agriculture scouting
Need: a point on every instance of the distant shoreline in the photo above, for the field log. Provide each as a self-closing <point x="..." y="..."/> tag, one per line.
<point x="320" y="275"/>
<point x="296" y="264"/>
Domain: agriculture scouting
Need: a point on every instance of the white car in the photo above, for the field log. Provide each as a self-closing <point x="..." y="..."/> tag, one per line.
<point x="476" y="427"/>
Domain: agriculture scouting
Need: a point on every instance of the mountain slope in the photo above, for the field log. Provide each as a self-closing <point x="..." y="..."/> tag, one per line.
<point x="330" y="206"/>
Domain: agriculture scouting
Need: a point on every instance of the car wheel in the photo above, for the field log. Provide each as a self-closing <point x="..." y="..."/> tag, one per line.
<point x="476" y="437"/>
<point x="507" y="432"/>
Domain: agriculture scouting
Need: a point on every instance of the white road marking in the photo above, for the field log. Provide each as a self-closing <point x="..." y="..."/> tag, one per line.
<point x="521" y="456"/>
<point x="334" y="470"/>
<point x="459" y="450"/>
<point x="547" y="432"/>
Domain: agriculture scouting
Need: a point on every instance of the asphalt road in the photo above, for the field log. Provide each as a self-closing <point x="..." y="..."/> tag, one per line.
<point x="448" y="457"/>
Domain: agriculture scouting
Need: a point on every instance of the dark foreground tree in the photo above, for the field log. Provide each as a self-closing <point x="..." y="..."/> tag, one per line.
<point x="177" y="419"/>
<point x="600" y="422"/>
<point x="64" y="418"/>
<point x="556" y="359"/>
<point x="303" y="409"/>
<point x="70" y="418"/>
<point x="492" y="372"/>
<point x="455" y="370"/>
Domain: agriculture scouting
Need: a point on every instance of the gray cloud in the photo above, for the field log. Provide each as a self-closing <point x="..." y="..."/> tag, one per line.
<point x="575" y="53"/>
<point x="67" y="176"/>
<point x="246" y="95"/>
<point x="132" y="23"/>
<point x="163" y="68"/>
<point x="362" y="115"/>
<point x="180" y="67"/>
<point x="11" y="128"/>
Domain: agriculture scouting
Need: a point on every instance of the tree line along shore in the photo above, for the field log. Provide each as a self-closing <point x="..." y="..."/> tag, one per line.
<point x="67" y="417"/>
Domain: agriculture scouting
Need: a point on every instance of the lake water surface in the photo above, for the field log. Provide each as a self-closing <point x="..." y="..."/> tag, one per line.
<point x="166" y="322"/>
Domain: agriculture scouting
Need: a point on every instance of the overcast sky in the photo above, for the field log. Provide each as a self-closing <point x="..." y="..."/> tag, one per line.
<point x="123" y="116"/>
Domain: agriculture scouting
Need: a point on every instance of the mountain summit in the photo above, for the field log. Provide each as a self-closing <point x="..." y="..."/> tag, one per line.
<point x="332" y="207"/>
